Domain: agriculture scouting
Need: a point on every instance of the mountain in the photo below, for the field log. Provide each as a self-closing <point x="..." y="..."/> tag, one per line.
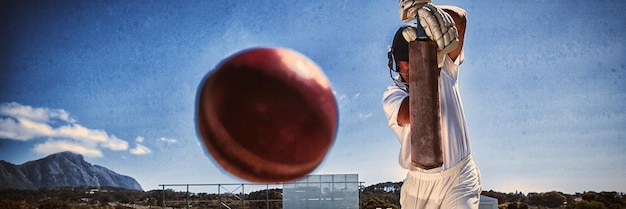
<point x="64" y="169"/>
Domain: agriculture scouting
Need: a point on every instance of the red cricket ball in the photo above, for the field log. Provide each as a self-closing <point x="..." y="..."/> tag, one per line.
<point x="267" y="115"/>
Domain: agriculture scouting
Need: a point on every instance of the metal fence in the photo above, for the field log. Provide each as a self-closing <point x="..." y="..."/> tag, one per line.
<point x="313" y="191"/>
<point x="323" y="191"/>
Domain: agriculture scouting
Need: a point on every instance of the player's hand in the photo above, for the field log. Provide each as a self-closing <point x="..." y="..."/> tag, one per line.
<point x="439" y="27"/>
<point x="410" y="34"/>
<point x="408" y="8"/>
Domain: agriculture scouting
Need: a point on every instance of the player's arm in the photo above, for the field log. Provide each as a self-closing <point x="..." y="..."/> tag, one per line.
<point x="403" y="114"/>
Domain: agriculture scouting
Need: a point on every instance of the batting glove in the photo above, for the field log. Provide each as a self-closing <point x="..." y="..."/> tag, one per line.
<point x="408" y="8"/>
<point x="410" y="34"/>
<point x="439" y="27"/>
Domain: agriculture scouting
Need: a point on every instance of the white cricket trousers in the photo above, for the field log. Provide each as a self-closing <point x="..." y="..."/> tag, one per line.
<point x="456" y="188"/>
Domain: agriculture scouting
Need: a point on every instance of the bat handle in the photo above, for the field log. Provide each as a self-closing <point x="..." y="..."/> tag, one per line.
<point x="421" y="33"/>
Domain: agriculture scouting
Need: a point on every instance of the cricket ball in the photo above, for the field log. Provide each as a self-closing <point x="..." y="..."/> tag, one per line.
<point x="267" y="115"/>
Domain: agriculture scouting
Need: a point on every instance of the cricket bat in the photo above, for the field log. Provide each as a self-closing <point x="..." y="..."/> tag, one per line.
<point x="424" y="105"/>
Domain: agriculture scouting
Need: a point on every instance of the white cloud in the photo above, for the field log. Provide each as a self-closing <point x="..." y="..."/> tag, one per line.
<point x="34" y="114"/>
<point x="169" y="141"/>
<point x="115" y="143"/>
<point x="12" y="129"/>
<point x="364" y="115"/>
<point x="342" y="99"/>
<point x="139" y="139"/>
<point x="52" y="146"/>
<point x="140" y="150"/>
<point x="24" y="123"/>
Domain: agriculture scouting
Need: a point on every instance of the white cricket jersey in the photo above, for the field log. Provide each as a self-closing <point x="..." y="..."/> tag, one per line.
<point x="454" y="134"/>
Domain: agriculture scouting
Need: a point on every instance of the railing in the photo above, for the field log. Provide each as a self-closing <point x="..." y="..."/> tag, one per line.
<point x="232" y="195"/>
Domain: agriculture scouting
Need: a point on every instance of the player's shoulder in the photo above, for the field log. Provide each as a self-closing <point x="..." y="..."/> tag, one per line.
<point x="395" y="87"/>
<point x="394" y="91"/>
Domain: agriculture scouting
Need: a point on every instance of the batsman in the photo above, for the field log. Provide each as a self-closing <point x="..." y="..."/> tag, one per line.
<point x="424" y="108"/>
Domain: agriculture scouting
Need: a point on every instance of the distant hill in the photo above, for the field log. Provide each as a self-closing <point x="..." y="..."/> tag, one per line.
<point x="64" y="169"/>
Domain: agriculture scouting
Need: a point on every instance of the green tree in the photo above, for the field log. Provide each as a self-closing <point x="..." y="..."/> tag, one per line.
<point x="53" y="204"/>
<point x="610" y="200"/>
<point x="549" y="199"/>
<point x="374" y="203"/>
<point x="517" y="205"/>
<point x="13" y="204"/>
<point x="590" y="205"/>
<point x="591" y="196"/>
<point x="386" y="192"/>
<point x="264" y="198"/>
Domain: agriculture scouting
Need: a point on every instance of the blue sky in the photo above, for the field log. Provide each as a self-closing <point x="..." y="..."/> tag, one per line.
<point x="543" y="85"/>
